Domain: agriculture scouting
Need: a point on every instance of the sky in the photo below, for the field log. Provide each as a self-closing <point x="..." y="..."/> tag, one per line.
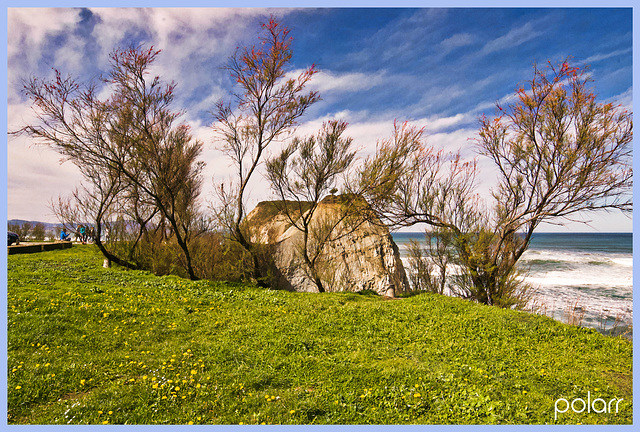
<point x="438" y="68"/>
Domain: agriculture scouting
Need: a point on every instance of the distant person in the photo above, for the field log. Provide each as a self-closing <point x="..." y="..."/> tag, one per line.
<point x="64" y="236"/>
<point x="83" y="234"/>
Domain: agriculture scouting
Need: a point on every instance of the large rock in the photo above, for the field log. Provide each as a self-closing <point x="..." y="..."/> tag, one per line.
<point x="361" y="258"/>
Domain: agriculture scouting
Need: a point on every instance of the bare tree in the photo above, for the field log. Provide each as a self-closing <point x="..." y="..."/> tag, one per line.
<point x="127" y="142"/>
<point x="267" y="107"/>
<point x="558" y="152"/>
<point x="302" y="175"/>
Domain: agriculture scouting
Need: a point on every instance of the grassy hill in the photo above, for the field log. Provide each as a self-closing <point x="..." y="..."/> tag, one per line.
<point x="88" y="345"/>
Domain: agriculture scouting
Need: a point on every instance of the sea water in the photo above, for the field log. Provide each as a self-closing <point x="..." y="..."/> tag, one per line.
<point x="576" y="276"/>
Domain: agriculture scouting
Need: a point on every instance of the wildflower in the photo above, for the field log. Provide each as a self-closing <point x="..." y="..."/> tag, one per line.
<point x="18" y="387"/>
<point x="193" y="372"/>
<point x="105" y="422"/>
<point x="110" y="412"/>
<point x="82" y="382"/>
<point x="100" y="412"/>
<point x="292" y="412"/>
<point x="190" y="423"/>
<point x="417" y="395"/>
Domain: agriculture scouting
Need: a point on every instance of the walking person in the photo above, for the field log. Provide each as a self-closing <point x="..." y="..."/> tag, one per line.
<point x="83" y="234"/>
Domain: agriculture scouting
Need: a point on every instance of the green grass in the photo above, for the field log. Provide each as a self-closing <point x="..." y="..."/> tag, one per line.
<point x="88" y="345"/>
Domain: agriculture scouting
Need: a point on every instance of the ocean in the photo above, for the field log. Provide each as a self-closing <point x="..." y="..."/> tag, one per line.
<point x="579" y="276"/>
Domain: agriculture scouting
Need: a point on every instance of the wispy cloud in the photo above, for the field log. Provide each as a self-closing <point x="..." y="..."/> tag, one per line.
<point x="515" y="37"/>
<point x="456" y="41"/>
<point x="327" y="81"/>
<point x="599" y="57"/>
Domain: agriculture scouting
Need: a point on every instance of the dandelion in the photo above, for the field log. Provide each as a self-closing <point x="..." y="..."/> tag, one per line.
<point x="110" y="412"/>
<point x="190" y="423"/>
<point x="100" y="412"/>
<point x="18" y="387"/>
<point x="417" y="395"/>
<point x="193" y="371"/>
<point x="292" y="412"/>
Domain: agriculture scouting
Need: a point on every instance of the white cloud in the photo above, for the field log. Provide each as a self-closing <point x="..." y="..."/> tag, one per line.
<point x="35" y="177"/>
<point x="599" y="57"/>
<point x="513" y="38"/>
<point x="456" y="41"/>
<point x="625" y="99"/>
<point x="326" y="81"/>
<point x="29" y="28"/>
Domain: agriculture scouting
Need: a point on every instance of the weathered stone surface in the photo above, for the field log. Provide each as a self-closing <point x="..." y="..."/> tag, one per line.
<point x="366" y="258"/>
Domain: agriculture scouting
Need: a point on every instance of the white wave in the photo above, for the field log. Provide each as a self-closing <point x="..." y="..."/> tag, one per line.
<point x="574" y="257"/>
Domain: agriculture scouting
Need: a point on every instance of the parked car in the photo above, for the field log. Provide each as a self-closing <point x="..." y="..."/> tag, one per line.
<point x="12" y="238"/>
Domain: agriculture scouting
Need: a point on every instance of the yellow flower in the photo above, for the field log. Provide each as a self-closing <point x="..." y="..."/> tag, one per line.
<point x="100" y="412"/>
<point x="18" y="387"/>
<point x="417" y="395"/>
<point x="190" y="423"/>
<point x="292" y="412"/>
<point x="110" y="412"/>
<point x="105" y="422"/>
<point x="193" y="372"/>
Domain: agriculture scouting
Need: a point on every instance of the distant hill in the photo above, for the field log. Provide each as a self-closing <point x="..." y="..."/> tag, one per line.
<point x="48" y="226"/>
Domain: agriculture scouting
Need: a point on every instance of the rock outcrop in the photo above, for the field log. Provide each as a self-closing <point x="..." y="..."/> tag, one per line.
<point x="361" y="258"/>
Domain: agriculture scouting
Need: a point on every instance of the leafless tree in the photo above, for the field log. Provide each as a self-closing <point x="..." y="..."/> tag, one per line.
<point x="126" y="142"/>
<point x="558" y="152"/>
<point x="266" y="108"/>
<point x="304" y="174"/>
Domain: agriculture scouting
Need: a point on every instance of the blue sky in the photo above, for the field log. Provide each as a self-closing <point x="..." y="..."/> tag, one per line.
<point x="439" y="68"/>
